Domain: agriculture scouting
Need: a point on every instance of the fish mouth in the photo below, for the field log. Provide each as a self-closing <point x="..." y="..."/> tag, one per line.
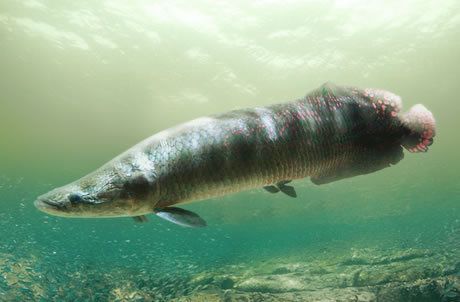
<point x="47" y="205"/>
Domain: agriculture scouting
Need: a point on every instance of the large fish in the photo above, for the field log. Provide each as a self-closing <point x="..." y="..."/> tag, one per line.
<point x="332" y="133"/>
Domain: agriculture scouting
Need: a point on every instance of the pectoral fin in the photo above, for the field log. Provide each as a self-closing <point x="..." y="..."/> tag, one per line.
<point x="141" y="218"/>
<point x="181" y="217"/>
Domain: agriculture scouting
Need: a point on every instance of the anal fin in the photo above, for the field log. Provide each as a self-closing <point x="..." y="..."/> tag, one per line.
<point x="181" y="217"/>
<point x="364" y="161"/>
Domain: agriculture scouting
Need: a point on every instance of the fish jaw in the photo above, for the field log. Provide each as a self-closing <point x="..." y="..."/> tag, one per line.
<point x="55" y="202"/>
<point x="124" y="208"/>
<point x="78" y="199"/>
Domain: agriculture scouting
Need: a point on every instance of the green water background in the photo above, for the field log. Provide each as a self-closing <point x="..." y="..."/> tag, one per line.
<point x="82" y="81"/>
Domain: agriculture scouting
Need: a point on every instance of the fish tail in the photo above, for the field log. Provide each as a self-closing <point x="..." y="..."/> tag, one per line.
<point x="421" y="128"/>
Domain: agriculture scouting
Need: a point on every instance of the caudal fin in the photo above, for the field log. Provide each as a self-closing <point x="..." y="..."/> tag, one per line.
<point x="422" y="128"/>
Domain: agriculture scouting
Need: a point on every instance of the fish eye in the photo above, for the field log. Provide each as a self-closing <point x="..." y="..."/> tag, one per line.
<point x="75" y="198"/>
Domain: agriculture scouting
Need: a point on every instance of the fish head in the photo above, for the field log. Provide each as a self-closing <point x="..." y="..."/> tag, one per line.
<point x="101" y="194"/>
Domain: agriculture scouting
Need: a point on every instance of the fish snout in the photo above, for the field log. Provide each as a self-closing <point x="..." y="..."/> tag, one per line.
<point x="47" y="202"/>
<point x="51" y="203"/>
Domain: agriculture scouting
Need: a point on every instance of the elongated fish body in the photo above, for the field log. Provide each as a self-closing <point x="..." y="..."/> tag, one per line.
<point x="332" y="133"/>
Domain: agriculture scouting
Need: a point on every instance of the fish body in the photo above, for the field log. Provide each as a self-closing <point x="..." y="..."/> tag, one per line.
<point x="332" y="133"/>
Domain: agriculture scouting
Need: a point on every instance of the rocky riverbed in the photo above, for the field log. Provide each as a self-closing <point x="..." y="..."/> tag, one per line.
<point x="360" y="275"/>
<point x="333" y="274"/>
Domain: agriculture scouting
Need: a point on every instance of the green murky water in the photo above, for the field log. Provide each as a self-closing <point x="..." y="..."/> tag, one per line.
<point x="81" y="81"/>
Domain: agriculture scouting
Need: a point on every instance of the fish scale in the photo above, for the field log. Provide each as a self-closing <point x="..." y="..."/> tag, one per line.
<point x="242" y="149"/>
<point x="333" y="133"/>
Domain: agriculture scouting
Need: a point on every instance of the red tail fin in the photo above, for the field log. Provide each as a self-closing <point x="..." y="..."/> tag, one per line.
<point x="421" y="124"/>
